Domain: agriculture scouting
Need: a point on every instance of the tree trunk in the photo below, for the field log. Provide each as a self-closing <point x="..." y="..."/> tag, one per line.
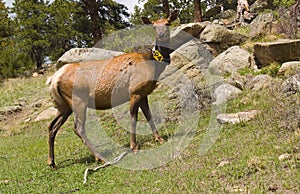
<point x="166" y="8"/>
<point x="197" y="11"/>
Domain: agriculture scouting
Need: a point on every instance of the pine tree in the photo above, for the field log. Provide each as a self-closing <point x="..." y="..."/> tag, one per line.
<point x="61" y="33"/>
<point x="32" y="17"/>
<point x="7" y="66"/>
<point x="158" y="8"/>
<point x="98" y="17"/>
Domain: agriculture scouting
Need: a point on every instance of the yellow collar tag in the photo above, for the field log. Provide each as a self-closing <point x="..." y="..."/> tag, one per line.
<point x="157" y="55"/>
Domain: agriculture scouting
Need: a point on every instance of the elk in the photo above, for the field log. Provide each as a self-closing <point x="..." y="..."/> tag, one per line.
<point x="128" y="77"/>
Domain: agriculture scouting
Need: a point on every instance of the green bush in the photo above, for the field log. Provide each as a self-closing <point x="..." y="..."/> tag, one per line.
<point x="14" y="63"/>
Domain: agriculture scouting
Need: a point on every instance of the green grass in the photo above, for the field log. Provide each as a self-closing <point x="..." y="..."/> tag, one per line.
<point x="22" y="89"/>
<point x="249" y="150"/>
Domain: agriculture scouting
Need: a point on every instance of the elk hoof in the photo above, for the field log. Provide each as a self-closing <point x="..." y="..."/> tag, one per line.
<point x="52" y="166"/>
<point x="135" y="149"/>
<point x="159" y="140"/>
<point x="99" y="160"/>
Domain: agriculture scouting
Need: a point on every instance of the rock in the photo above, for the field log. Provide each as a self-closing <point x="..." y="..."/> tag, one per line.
<point x="192" y="59"/>
<point x="289" y="68"/>
<point x="230" y="61"/>
<point x="223" y="163"/>
<point x="220" y="38"/>
<point x="46" y="114"/>
<point x="76" y="55"/>
<point x="186" y="32"/>
<point x="262" y="24"/>
<point x="237" y="117"/>
<point x="194" y="54"/>
<point x="260" y="5"/>
<point x="225" y="92"/>
<point x="20" y="102"/>
<point x="9" y="110"/>
<point x="229" y="13"/>
<point x="292" y="84"/>
<point x="37" y="104"/>
<point x="273" y="188"/>
<point x="35" y="74"/>
<point x="284" y="156"/>
<point x="238" y="81"/>
<point x="27" y="120"/>
<point x="280" y="51"/>
<point x="186" y="72"/>
<point x="212" y="12"/>
<point x="2" y="118"/>
<point x="259" y="82"/>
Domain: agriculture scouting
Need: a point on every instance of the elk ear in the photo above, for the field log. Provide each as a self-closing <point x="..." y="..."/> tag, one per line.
<point x="173" y="16"/>
<point x="146" y="20"/>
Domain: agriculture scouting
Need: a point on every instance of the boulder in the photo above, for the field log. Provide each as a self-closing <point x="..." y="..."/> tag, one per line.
<point x="192" y="59"/>
<point x="259" y="82"/>
<point x="280" y="51"/>
<point x="46" y="114"/>
<point x="238" y="81"/>
<point x="186" y="32"/>
<point x="292" y="84"/>
<point x="220" y="38"/>
<point x="76" y="55"/>
<point x="230" y="61"/>
<point x="212" y="12"/>
<point x="289" y="68"/>
<point x="260" y="5"/>
<point x="225" y="92"/>
<point x="228" y="14"/>
<point x="186" y="73"/>
<point x="192" y="54"/>
<point x="262" y="24"/>
<point x="235" y="118"/>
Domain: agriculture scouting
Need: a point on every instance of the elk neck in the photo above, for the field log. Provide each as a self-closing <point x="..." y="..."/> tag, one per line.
<point x="164" y="49"/>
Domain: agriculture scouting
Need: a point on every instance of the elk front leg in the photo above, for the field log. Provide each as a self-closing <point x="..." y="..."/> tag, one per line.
<point x="146" y="110"/>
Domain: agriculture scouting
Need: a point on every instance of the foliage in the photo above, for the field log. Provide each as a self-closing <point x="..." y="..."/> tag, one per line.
<point x="5" y="22"/>
<point x="96" y="18"/>
<point x="62" y="35"/>
<point x="271" y="70"/>
<point x="12" y="61"/>
<point x="135" y="39"/>
<point x="285" y="3"/>
<point x="154" y="9"/>
<point x="41" y="29"/>
<point x="31" y="35"/>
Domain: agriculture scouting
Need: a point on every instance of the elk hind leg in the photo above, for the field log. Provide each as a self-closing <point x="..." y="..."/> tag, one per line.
<point x="80" y="118"/>
<point x="53" y="128"/>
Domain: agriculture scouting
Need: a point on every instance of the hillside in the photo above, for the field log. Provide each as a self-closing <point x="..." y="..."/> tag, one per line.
<point x="261" y="155"/>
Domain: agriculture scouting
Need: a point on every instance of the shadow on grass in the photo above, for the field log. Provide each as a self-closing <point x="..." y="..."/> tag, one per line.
<point x="69" y="162"/>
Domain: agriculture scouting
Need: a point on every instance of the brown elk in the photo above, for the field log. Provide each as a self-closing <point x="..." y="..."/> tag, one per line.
<point x="128" y="77"/>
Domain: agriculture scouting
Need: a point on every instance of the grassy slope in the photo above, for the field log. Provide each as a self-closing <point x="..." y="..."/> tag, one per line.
<point x="250" y="150"/>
